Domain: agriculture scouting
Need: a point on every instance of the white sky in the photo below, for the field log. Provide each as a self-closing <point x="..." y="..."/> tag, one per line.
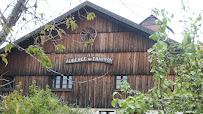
<point x="136" y="10"/>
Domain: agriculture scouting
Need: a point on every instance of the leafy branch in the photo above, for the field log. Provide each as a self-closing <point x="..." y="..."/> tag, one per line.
<point x="186" y="60"/>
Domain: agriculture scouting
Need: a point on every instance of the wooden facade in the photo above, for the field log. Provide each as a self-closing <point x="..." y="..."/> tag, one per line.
<point x="127" y="48"/>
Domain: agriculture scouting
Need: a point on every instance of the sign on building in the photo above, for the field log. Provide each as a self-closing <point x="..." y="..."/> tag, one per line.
<point x="90" y="59"/>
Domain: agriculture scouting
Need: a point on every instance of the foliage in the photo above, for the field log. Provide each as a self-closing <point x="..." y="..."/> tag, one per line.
<point x="38" y="102"/>
<point x="137" y="103"/>
<point x="91" y="41"/>
<point x="7" y="48"/>
<point x="60" y="47"/>
<point x="90" y="16"/>
<point x="4" y="59"/>
<point x="40" y="53"/>
<point x="186" y="58"/>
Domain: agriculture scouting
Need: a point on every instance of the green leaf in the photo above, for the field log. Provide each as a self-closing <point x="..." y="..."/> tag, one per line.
<point x="90" y="16"/>
<point x="91" y="42"/>
<point x="113" y="102"/>
<point x="154" y="36"/>
<point x="155" y="11"/>
<point x="73" y="25"/>
<point x="41" y="55"/>
<point x="150" y="50"/>
<point x="36" y="39"/>
<point x="162" y="29"/>
<point x="156" y="76"/>
<point x="164" y="21"/>
<point x="8" y="48"/>
<point x="187" y="39"/>
<point x="42" y="32"/>
<point x="157" y="22"/>
<point x="67" y="23"/>
<point x="198" y="82"/>
<point x="161" y="45"/>
<point x="7" y="29"/>
<point x="178" y="85"/>
<point x="187" y="84"/>
<point x="85" y="44"/>
<point x="149" y="58"/>
<point x="124" y="104"/>
<point x="4" y="60"/>
<point x="60" y="47"/>
<point x="46" y="27"/>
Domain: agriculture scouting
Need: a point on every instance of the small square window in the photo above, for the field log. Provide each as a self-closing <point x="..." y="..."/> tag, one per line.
<point x="61" y="82"/>
<point x="120" y="79"/>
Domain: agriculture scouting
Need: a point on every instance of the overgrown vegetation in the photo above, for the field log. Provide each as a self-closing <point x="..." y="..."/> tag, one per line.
<point x="38" y="102"/>
<point x="187" y="60"/>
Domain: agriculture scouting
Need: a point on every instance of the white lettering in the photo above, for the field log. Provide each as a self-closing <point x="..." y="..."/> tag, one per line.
<point x="79" y="59"/>
<point x="89" y="59"/>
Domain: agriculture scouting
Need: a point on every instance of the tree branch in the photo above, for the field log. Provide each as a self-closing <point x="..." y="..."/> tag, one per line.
<point x="3" y="17"/>
<point x="12" y="19"/>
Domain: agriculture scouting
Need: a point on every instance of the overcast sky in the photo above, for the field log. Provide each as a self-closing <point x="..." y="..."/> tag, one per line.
<point x="134" y="10"/>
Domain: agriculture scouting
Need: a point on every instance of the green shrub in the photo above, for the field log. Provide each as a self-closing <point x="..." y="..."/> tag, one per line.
<point x="38" y="102"/>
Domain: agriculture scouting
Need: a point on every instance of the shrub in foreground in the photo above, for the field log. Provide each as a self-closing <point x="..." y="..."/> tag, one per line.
<point x="38" y="102"/>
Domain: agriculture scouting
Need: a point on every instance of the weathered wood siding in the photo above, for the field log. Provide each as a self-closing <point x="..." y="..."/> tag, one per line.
<point x="127" y="48"/>
<point x="97" y="93"/>
<point x="111" y="37"/>
<point x="41" y="82"/>
<point x="129" y="63"/>
<point x="123" y="64"/>
<point x="104" y="43"/>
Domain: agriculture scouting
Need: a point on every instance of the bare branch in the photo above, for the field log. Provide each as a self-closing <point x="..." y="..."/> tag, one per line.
<point x="13" y="18"/>
<point x="7" y="82"/>
<point x="4" y="73"/>
<point x="3" y="17"/>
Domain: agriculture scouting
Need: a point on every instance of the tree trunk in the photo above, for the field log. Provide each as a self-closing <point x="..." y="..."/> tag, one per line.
<point x="12" y="19"/>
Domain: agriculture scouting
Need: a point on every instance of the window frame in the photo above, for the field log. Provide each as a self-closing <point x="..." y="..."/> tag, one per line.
<point x="10" y="87"/>
<point x="120" y="80"/>
<point x="61" y="88"/>
<point x="107" y="112"/>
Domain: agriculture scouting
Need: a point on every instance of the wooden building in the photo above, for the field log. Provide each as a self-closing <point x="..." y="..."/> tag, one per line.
<point x="119" y="52"/>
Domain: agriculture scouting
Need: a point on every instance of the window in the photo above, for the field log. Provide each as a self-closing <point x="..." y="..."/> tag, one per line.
<point x="62" y="82"/>
<point x="120" y="79"/>
<point x="7" y="82"/>
<point x="106" y="112"/>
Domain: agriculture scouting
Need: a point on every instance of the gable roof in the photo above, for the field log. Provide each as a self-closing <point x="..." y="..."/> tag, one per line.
<point x="151" y="20"/>
<point x="110" y="14"/>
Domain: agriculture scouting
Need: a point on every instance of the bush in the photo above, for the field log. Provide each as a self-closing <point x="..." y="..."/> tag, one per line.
<point x="38" y="102"/>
